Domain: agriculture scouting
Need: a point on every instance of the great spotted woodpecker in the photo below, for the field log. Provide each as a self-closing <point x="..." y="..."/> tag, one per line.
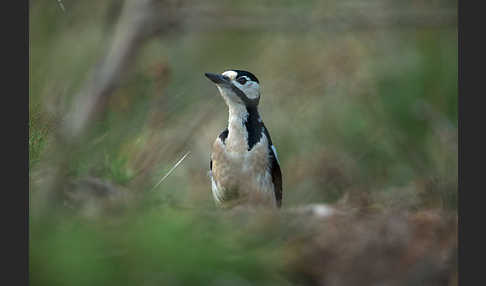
<point x="244" y="168"/>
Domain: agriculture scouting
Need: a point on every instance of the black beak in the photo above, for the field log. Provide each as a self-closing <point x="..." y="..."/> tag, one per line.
<point x="217" y="78"/>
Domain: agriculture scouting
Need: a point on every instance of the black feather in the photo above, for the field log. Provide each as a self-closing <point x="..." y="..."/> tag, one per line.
<point x="253" y="127"/>
<point x="274" y="170"/>
<point x="223" y="135"/>
<point x="276" y="179"/>
<point x="251" y="76"/>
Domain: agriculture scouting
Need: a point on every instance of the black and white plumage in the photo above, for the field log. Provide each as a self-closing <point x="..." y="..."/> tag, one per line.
<point x="244" y="167"/>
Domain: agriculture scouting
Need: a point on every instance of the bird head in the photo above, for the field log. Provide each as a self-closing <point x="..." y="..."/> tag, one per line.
<point x="237" y="87"/>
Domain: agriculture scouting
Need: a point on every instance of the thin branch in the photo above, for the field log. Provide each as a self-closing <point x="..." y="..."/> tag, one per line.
<point x="171" y="170"/>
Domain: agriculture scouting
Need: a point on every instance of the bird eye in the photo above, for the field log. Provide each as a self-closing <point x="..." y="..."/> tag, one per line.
<point x="242" y="80"/>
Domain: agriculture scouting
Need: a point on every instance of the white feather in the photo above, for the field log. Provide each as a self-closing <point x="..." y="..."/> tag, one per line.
<point x="215" y="191"/>
<point x="231" y="74"/>
<point x="250" y="88"/>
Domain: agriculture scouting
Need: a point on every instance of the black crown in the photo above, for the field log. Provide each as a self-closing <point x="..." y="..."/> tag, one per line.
<point x="246" y="73"/>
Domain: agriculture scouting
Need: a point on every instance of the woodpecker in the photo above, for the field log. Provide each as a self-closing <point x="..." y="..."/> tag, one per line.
<point x="244" y="168"/>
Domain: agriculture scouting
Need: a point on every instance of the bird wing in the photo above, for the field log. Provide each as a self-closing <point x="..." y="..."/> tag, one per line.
<point x="274" y="169"/>
<point x="276" y="175"/>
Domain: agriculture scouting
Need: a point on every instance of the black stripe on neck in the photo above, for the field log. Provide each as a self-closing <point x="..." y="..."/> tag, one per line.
<point x="252" y="103"/>
<point x="253" y="126"/>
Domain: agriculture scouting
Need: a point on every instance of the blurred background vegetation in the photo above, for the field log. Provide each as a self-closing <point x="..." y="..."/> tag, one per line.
<point x="360" y="98"/>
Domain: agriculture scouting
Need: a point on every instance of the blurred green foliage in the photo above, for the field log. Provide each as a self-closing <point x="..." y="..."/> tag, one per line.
<point x="38" y="134"/>
<point x="149" y="248"/>
<point x="352" y="110"/>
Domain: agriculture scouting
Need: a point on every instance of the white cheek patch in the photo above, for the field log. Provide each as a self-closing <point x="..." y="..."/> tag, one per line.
<point x="251" y="89"/>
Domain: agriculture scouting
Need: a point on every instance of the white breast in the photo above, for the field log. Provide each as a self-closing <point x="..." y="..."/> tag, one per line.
<point x="246" y="171"/>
